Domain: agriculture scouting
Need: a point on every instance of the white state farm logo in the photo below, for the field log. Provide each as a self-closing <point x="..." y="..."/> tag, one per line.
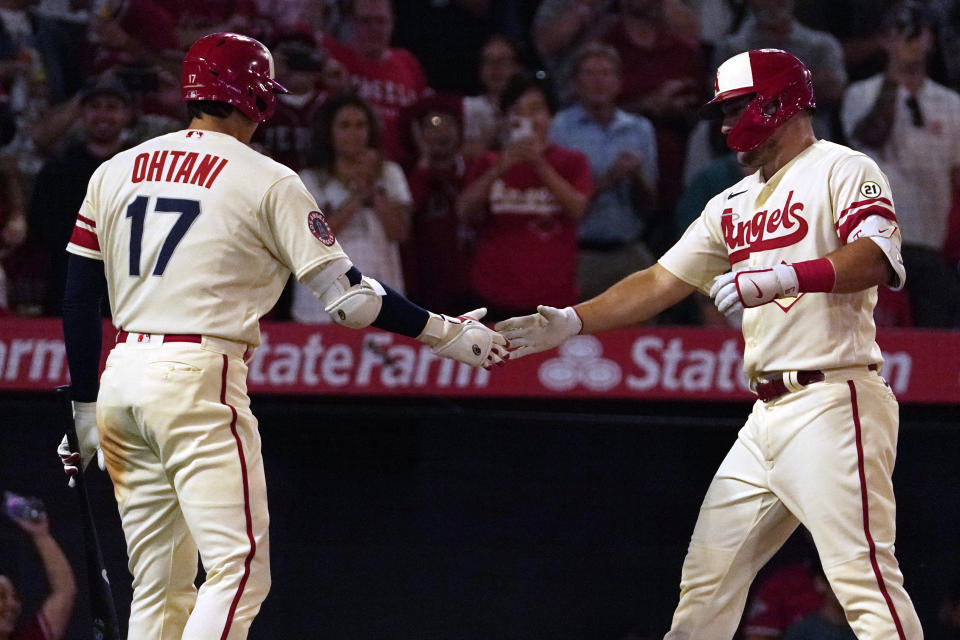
<point x="581" y="361"/>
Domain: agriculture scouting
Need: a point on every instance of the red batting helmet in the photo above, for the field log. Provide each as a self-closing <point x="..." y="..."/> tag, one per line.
<point x="781" y="85"/>
<point x="231" y="68"/>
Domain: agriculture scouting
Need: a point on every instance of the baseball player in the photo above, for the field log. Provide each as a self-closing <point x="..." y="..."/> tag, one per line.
<point x="193" y="235"/>
<point x="799" y="247"/>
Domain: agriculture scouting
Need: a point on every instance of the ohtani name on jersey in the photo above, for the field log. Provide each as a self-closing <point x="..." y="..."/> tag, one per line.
<point x="758" y="233"/>
<point x="177" y="166"/>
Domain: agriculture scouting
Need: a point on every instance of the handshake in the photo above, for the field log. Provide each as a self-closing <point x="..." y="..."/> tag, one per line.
<point x="466" y="340"/>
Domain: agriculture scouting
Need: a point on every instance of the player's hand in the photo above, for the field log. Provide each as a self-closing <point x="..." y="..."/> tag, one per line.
<point x="85" y="422"/>
<point x="736" y="290"/>
<point x="543" y="330"/>
<point x="465" y="339"/>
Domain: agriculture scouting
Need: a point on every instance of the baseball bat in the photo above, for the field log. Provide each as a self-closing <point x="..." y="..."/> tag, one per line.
<point x="105" y="625"/>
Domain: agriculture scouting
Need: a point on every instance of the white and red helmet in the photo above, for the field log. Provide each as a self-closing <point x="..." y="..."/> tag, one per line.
<point x="781" y="86"/>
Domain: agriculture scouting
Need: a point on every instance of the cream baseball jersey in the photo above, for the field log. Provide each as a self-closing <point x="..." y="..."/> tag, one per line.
<point x="812" y="206"/>
<point x="198" y="232"/>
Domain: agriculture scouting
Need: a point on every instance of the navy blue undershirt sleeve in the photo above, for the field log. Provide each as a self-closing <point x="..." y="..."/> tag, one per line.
<point x="397" y="313"/>
<point x="83" y="295"/>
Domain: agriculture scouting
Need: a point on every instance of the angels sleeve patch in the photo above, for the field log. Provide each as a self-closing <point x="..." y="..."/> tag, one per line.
<point x="320" y="228"/>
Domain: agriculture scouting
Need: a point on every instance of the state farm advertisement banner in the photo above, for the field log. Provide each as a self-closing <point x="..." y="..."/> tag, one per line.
<point x="645" y="363"/>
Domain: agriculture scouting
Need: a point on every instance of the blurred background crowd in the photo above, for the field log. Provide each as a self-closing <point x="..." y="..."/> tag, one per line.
<point x="485" y="152"/>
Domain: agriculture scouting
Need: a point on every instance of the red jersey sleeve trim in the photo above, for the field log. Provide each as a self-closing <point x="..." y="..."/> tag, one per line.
<point x="846" y="225"/>
<point x="85" y="239"/>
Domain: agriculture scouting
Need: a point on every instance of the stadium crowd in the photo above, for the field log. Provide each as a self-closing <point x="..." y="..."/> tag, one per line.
<point x="459" y="145"/>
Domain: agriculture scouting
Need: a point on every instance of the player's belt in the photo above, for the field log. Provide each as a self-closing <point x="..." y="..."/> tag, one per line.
<point x="126" y="336"/>
<point x="790" y="381"/>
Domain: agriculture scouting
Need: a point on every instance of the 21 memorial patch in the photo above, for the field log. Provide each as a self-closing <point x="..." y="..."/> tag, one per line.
<point x="320" y="228"/>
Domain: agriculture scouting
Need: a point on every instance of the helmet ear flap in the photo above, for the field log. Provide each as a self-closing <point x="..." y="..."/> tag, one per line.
<point x="771" y="108"/>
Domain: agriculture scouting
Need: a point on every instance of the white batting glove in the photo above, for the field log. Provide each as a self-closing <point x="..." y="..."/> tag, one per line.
<point x="85" y="422"/>
<point x="543" y="330"/>
<point x="465" y="339"/>
<point x="736" y="290"/>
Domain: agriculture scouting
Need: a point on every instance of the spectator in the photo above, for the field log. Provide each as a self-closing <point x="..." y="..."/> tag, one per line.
<point x="388" y="78"/>
<point x="785" y="591"/>
<point x="59" y="189"/>
<point x="194" y="20"/>
<point x="364" y="196"/>
<point x="526" y="203"/>
<point x="13" y="231"/>
<point x="19" y="60"/>
<point x="787" y="596"/>
<point x="910" y="125"/>
<point x="949" y="617"/>
<point x="132" y="33"/>
<point x="857" y="24"/>
<point x="948" y="40"/>
<point x="717" y="18"/>
<point x="771" y="24"/>
<point x="622" y="151"/>
<point x="60" y="30"/>
<point x="482" y="118"/>
<point x="663" y="80"/>
<point x="51" y="620"/>
<point x="560" y="27"/>
<point x="434" y="255"/>
<point x="826" y="623"/>
<point x="286" y="136"/>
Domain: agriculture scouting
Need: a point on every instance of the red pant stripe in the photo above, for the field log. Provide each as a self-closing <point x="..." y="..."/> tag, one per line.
<point x="246" y="504"/>
<point x="866" y="513"/>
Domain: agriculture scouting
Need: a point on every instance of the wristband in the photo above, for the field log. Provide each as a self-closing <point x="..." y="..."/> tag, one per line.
<point x="815" y="276"/>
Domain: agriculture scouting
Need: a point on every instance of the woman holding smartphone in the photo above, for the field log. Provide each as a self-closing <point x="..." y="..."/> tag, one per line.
<point x="526" y="203"/>
<point x="51" y="620"/>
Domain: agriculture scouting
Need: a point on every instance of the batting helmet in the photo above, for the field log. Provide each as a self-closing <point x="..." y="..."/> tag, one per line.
<point x="232" y="68"/>
<point x="781" y="86"/>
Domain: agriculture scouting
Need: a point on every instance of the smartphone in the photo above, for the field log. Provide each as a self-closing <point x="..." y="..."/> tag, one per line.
<point x="521" y="128"/>
<point x="23" y="507"/>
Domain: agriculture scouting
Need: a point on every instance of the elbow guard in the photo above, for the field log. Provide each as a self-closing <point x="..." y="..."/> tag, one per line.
<point x="354" y="306"/>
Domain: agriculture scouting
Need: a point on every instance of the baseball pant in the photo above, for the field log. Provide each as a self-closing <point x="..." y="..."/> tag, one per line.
<point x="822" y="456"/>
<point x="183" y="451"/>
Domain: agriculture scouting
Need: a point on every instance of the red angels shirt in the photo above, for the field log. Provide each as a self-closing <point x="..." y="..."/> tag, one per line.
<point x="288" y="135"/>
<point x="389" y="84"/>
<point x="527" y="248"/>
<point x="784" y="598"/>
<point x="36" y="629"/>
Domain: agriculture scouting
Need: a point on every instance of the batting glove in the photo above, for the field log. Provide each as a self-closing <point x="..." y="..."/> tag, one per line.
<point x="736" y="290"/>
<point x="85" y="422"/>
<point x="465" y="339"/>
<point x="543" y="330"/>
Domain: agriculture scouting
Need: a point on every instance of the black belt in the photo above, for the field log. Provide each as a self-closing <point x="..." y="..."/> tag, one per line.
<point x="773" y="389"/>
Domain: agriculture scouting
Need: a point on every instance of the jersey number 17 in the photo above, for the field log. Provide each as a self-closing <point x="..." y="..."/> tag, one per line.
<point x="137" y="212"/>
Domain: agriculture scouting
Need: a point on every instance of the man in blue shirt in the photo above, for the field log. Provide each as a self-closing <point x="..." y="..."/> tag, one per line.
<point x="622" y="151"/>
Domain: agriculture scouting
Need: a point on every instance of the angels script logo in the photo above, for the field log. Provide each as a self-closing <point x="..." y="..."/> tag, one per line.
<point x="763" y="231"/>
